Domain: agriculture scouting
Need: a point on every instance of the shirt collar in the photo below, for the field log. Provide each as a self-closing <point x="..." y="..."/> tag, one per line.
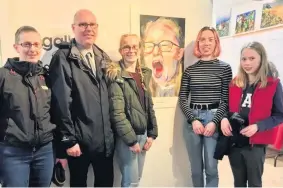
<point x="85" y="51"/>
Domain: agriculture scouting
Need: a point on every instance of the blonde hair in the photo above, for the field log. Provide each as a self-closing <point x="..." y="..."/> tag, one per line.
<point x="262" y="72"/>
<point x="138" y="65"/>
<point x="167" y="23"/>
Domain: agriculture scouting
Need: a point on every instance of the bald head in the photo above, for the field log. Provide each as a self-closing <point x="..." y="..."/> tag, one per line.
<point x="83" y="13"/>
<point x="85" y="28"/>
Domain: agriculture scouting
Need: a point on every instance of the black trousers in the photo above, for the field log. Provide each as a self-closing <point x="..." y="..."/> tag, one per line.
<point x="102" y="169"/>
<point x="247" y="165"/>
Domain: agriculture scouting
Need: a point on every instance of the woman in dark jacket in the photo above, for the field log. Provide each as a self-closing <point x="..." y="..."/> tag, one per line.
<point x="26" y="133"/>
<point x="131" y="110"/>
<point x="255" y="94"/>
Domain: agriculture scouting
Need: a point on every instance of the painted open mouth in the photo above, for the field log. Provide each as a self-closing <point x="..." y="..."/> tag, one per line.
<point x="157" y="68"/>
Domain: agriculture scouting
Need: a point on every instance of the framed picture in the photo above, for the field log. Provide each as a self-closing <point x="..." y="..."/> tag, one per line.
<point x="245" y="22"/>
<point x="223" y="23"/>
<point x="163" y="40"/>
<point x="272" y="14"/>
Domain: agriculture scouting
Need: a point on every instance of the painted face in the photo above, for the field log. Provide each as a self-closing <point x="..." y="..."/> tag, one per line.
<point x="130" y="50"/>
<point x="85" y="29"/>
<point x="250" y="61"/>
<point x="29" y="47"/>
<point x="207" y="43"/>
<point x="162" y="53"/>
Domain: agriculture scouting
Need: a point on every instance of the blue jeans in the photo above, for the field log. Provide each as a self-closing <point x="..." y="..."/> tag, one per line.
<point x="24" y="167"/>
<point x="201" y="151"/>
<point x="130" y="163"/>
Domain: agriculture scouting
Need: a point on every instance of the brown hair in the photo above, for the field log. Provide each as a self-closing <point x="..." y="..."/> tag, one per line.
<point x="138" y="65"/>
<point x="262" y="72"/>
<point x="23" y="29"/>
<point x="217" y="49"/>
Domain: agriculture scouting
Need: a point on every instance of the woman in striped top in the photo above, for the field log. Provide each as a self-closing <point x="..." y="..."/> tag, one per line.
<point x="207" y="83"/>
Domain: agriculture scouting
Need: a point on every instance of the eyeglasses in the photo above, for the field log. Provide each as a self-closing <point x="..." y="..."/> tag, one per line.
<point x="85" y="25"/>
<point x="128" y="48"/>
<point x="28" y="45"/>
<point x="164" y="46"/>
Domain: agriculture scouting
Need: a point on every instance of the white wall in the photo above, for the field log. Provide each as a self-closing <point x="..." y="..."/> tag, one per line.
<point x="167" y="161"/>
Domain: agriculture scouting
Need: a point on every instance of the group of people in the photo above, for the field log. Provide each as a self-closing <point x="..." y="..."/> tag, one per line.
<point x="77" y="110"/>
<point x="236" y="117"/>
<point x="83" y="107"/>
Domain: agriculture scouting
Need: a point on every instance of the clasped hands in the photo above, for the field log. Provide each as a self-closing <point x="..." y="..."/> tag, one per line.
<point x="137" y="149"/>
<point x="247" y="131"/>
<point x="208" y="130"/>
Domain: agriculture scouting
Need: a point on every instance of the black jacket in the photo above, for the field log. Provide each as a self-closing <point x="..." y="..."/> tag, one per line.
<point x="24" y="105"/>
<point x="81" y="100"/>
<point x="225" y="143"/>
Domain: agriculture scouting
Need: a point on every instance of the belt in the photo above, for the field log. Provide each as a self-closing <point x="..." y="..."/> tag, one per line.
<point x="204" y="106"/>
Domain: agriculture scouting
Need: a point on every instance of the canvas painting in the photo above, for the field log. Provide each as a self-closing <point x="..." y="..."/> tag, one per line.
<point x="245" y="22"/>
<point x="272" y="14"/>
<point x="223" y="23"/>
<point x="163" y="40"/>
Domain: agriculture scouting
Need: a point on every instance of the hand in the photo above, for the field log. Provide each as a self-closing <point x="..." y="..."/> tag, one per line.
<point x="198" y="127"/>
<point x="74" y="151"/>
<point x="209" y="129"/>
<point x="148" y="143"/>
<point x="249" y="130"/>
<point x="136" y="148"/>
<point x="226" y="127"/>
<point x="62" y="161"/>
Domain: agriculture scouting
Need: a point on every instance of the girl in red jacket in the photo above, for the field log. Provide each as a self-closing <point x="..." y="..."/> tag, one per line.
<point x="256" y="94"/>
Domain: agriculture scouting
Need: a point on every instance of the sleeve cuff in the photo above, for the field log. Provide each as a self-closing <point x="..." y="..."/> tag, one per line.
<point x="132" y="144"/>
<point x="216" y="122"/>
<point x="260" y="127"/>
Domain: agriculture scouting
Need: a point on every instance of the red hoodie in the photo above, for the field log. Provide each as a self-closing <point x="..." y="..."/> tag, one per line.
<point x="261" y="108"/>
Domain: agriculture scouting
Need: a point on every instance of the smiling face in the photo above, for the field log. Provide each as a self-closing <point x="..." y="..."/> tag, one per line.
<point x="129" y="48"/>
<point x="250" y="61"/>
<point x="207" y="43"/>
<point x="161" y="52"/>
<point x="29" y="46"/>
<point x="85" y="28"/>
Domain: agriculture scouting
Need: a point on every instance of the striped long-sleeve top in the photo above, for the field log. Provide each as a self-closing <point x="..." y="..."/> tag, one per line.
<point x="206" y="82"/>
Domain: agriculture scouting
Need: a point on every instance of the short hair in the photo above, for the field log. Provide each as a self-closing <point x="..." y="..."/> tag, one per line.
<point x="23" y="29"/>
<point x="217" y="49"/>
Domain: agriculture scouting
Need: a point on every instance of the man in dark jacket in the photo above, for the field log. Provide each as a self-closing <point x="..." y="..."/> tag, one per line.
<point x="26" y="133"/>
<point x="81" y="99"/>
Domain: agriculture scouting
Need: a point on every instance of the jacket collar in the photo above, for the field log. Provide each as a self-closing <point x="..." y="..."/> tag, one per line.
<point x="115" y="71"/>
<point x="75" y="52"/>
<point x="23" y="67"/>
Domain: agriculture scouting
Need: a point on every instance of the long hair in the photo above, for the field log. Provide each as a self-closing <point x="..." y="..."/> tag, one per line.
<point x="272" y="70"/>
<point x="217" y="49"/>
<point x="263" y="71"/>
<point x="138" y="64"/>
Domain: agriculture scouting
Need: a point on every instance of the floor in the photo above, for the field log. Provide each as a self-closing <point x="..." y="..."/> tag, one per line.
<point x="273" y="176"/>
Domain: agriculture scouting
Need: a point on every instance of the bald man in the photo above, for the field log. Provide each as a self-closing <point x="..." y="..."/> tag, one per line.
<point x="81" y="99"/>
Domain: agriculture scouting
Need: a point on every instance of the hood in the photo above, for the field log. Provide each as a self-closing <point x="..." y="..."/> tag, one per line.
<point x="23" y="67"/>
<point x="115" y="71"/>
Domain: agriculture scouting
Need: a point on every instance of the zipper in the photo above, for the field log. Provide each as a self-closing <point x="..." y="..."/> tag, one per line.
<point x="36" y="131"/>
<point x="255" y="91"/>
<point x="99" y="89"/>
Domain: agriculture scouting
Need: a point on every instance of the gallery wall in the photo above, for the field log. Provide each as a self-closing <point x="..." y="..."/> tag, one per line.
<point x="167" y="162"/>
<point x="265" y="29"/>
